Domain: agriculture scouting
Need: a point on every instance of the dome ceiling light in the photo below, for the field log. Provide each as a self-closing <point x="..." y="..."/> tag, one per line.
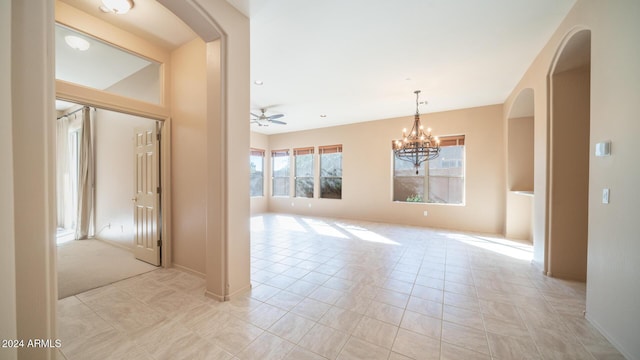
<point x="116" y="6"/>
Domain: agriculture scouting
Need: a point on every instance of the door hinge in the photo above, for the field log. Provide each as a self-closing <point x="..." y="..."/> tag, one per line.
<point x="159" y="243"/>
<point x="158" y="136"/>
<point x="158" y="189"/>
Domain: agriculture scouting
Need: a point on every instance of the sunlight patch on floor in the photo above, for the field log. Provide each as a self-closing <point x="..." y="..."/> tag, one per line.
<point x="288" y="223"/>
<point x="367" y="235"/>
<point x="500" y="246"/>
<point x="323" y="228"/>
<point x="257" y="223"/>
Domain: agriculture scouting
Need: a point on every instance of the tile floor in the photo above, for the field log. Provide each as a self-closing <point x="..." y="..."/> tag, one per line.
<point x="338" y="289"/>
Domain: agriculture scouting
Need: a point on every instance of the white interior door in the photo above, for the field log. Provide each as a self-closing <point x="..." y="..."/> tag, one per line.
<point x="147" y="194"/>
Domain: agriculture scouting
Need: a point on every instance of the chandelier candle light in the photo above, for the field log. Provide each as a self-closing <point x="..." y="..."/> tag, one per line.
<point x="416" y="146"/>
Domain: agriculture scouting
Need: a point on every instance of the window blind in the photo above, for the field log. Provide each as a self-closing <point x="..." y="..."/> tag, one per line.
<point x="279" y="153"/>
<point x="303" y="151"/>
<point x="451" y="140"/>
<point x="329" y="149"/>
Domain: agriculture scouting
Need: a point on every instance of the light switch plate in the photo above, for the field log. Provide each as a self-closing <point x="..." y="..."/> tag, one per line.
<point x="603" y="148"/>
<point x="605" y="195"/>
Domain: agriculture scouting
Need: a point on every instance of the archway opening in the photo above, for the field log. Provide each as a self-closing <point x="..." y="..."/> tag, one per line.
<point x="520" y="160"/>
<point x="569" y="158"/>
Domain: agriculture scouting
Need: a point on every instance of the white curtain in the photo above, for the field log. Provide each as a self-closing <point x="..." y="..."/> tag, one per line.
<point x="84" y="222"/>
<point x="63" y="175"/>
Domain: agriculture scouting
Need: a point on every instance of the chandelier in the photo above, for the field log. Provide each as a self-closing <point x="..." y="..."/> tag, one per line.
<point x="417" y="146"/>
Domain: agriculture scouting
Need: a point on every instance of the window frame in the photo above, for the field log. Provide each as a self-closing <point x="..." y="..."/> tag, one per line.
<point x="274" y="155"/>
<point x="306" y="151"/>
<point x="261" y="153"/>
<point x="329" y="149"/>
<point x="445" y="141"/>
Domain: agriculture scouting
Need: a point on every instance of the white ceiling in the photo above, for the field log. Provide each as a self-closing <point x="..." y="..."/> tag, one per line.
<point x="361" y="60"/>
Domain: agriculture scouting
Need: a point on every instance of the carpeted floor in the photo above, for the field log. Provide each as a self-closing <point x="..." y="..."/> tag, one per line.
<point x="87" y="264"/>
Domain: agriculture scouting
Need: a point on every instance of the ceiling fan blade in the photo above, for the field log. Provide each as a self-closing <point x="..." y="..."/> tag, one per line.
<point x="276" y="116"/>
<point x="252" y="114"/>
<point x="278" y="122"/>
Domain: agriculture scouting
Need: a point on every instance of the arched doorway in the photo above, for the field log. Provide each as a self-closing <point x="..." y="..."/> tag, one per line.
<point x="568" y="175"/>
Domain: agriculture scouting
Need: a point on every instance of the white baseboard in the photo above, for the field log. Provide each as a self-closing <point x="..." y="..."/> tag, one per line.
<point x="614" y="343"/>
<point x="189" y="270"/>
<point x="238" y="292"/>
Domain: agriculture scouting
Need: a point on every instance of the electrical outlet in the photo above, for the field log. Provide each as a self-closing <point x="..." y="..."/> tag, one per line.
<point x="605" y="195"/>
<point x="425" y="213"/>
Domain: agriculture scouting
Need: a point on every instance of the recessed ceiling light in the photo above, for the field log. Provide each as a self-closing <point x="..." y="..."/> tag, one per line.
<point x="258" y="82"/>
<point x="323" y="115"/>
<point x="77" y="43"/>
<point x="116" y="6"/>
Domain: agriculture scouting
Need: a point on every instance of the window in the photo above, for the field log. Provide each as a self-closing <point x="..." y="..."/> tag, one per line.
<point x="330" y="171"/>
<point x="442" y="178"/>
<point x="73" y="66"/>
<point x="304" y="172"/>
<point x="256" y="162"/>
<point x="280" y="172"/>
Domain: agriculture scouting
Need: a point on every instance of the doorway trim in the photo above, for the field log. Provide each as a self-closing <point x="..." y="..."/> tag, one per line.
<point x="560" y="51"/>
<point x="123" y="105"/>
<point x="225" y="30"/>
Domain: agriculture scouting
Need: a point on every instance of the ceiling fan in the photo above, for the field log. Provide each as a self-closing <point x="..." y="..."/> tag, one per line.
<point x="264" y="120"/>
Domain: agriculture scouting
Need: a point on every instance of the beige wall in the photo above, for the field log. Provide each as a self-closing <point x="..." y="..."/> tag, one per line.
<point x="520" y="154"/>
<point x="367" y="172"/>
<point x="519" y="216"/>
<point x="145" y="84"/>
<point x="613" y="247"/>
<point x="115" y="175"/>
<point x="188" y="155"/>
<point x="8" y="328"/>
<point x="260" y="204"/>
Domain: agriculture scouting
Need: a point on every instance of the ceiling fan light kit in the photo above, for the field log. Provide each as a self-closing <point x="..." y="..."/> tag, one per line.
<point x="264" y="119"/>
<point x="416" y="146"/>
